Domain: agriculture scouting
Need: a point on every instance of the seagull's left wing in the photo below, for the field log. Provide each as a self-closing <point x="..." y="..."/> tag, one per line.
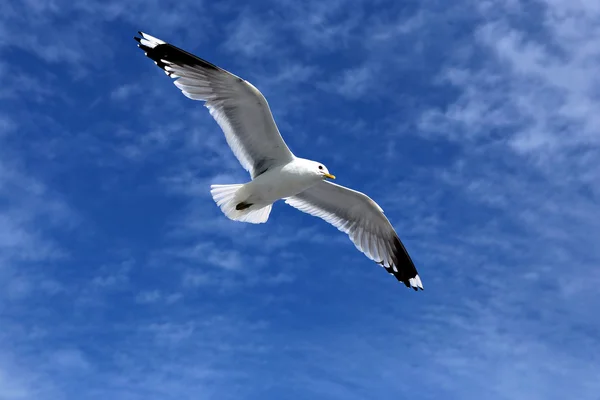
<point x="362" y="219"/>
<point x="239" y="108"/>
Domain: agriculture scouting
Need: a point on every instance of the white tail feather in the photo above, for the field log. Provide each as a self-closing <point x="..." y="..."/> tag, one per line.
<point x="226" y="199"/>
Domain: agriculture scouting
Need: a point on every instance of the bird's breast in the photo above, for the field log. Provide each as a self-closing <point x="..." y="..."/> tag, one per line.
<point x="277" y="184"/>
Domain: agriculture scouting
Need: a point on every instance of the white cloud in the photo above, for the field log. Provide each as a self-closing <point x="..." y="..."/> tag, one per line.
<point x="526" y="130"/>
<point x="172" y="333"/>
<point x="156" y="296"/>
<point x="18" y="384"/>
<point x="250" y="36"/>
<point x="113" y="276"/>
<point x="125" y="92"/>
<point x="356" y="82"/>
<point x="79" y="45"/>
<point x="540" y="90"/>
<point x="508" y="248"/>
<point x="323" y="26"/>
<point x="30" y="216"/>
<point x="70" y="359"/>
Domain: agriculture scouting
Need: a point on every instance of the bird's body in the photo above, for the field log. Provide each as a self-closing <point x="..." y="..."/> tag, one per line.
<point x="281" y="182"/>
<point x="251" y="202"/>
<point x="276" y="173"/>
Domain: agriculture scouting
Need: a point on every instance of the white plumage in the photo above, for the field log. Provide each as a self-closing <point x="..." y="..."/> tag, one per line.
<point x="244" y="115"/>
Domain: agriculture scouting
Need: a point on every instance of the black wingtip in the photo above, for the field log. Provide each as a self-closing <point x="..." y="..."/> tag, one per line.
<point x="415" y="288"/>
<point x="172" y="54"/>
<point x="402" y="279"/>
<point x="405" y="268"/>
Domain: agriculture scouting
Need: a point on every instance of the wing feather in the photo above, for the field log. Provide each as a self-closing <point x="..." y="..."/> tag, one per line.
<point x="357" y="215"/>
<point x="239" y="108"/>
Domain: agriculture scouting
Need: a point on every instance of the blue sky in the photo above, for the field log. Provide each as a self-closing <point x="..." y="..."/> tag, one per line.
<point x="474" y="124"/>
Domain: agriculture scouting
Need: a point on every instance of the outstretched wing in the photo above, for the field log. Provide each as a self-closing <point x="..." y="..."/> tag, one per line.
<point x="239" y="108"/>
<point x="363" y="220"/>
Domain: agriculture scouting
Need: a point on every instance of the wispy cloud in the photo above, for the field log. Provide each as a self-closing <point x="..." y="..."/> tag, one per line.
<point x="31" y="212"/>
<point x="113" y="276"/>
<point x="251" y="36"/>
<point x="156" y="296"/>
<point x="472" y="124"/>
<point x="522" y="120"/>
<point x="542" y="91"/>
<point x="125" y="92"/>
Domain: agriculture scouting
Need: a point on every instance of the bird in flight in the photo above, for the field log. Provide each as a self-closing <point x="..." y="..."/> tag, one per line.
<point x="244" y="115"/>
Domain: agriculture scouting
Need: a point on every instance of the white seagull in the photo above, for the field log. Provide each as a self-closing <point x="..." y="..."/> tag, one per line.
<point x="243" y="114"/>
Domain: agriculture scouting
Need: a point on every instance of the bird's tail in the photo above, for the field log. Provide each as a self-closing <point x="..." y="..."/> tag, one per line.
<point x="234" y="207"/>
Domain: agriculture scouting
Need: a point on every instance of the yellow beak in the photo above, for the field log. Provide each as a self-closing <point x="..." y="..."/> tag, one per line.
<point x="329" y="176"/>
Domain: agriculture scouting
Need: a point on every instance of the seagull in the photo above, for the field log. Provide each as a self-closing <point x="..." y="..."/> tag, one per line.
<point x="276" y="173"/>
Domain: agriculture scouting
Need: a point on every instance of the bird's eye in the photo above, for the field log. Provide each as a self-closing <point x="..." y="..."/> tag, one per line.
<point x="320" y="167"/>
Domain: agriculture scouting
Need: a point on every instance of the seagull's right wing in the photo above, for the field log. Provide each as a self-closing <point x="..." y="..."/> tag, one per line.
<point x="238" y="107"/>
<point x="363" y="220"/>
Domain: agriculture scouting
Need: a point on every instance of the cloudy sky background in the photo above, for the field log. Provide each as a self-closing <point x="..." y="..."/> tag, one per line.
<point x="474" y="124"/>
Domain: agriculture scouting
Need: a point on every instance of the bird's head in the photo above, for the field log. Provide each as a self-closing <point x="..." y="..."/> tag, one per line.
<point x="315" y="169"/>
<point x="322" y="171"/>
